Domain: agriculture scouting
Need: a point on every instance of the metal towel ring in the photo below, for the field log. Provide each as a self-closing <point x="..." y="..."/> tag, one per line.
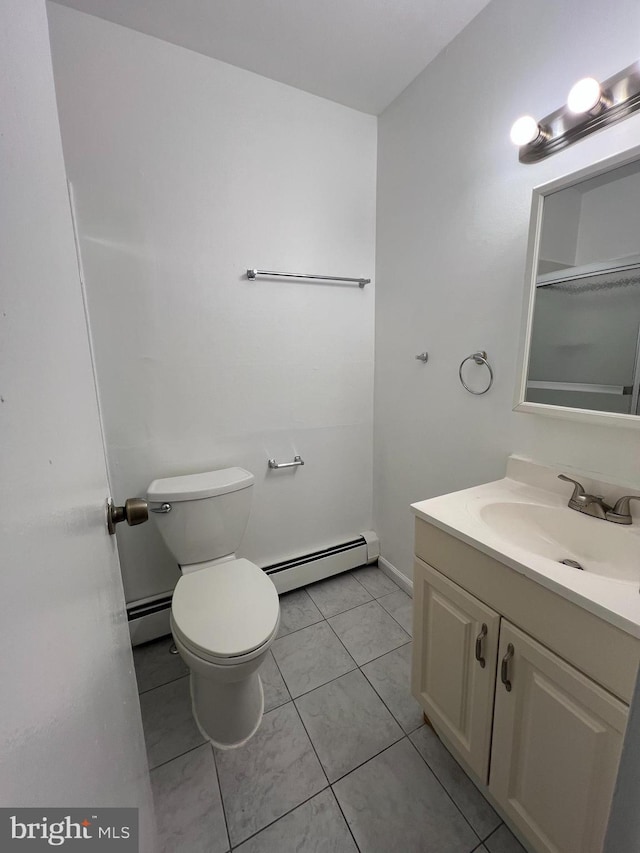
<point x="480" y="358"/>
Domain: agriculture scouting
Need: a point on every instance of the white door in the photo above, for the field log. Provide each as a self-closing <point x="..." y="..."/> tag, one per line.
<point x="454" y="663"/>
<point x="70" y="728"/>
<point x="557" y="738"/>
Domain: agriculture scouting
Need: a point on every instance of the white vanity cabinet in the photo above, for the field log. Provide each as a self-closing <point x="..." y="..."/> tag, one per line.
<point x="557" y="739"/>
<point x="540" y="726"/>
<point x="455" y="655"/>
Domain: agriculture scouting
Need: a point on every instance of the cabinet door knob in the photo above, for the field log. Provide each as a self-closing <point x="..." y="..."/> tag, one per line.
<point x="479" y="639"/>
<point x="504" y="669"/>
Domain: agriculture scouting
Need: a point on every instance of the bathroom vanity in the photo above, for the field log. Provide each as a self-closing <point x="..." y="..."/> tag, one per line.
<point x="526" y="666"/>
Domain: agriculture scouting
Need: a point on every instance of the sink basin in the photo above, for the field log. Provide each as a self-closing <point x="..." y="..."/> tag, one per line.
<point x="523" y="522"/>
<point x="559" y="533"/>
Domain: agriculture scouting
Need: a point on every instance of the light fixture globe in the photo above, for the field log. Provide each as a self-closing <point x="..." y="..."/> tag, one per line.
<point x="585" y="96"/>
<point x="525" y="130"/>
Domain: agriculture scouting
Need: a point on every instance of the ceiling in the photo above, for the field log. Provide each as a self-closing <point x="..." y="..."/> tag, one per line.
<point x="361" y="53"/>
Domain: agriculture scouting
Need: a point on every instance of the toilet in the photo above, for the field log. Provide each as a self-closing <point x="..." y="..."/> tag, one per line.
<point x="225" y="611"/>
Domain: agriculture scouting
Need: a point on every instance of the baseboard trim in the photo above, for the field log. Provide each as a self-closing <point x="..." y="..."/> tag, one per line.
<point x="396" y="575"/>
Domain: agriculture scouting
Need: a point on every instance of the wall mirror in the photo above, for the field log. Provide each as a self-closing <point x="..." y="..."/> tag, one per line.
<point x="581" y="327"/>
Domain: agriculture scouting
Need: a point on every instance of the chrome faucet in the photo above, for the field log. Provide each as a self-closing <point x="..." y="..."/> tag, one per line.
<point x="595" y="505"/>
<point x="621" y="513"/>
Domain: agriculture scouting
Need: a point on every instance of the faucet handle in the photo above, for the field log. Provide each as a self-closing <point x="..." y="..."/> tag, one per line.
<point x="621" y="511"/>
<point x="579" y="493"/>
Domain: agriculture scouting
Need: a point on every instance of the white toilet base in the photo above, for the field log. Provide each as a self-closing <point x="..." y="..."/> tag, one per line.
<point x="227" y="700"/>
<point x="227" y="714"/>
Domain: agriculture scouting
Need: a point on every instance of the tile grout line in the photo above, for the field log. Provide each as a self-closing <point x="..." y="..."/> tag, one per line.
<point x="313" y="747"/>
<point x="437" y="778"/>
<point x="173" y="758"/>
<point x="324" y="618"/>
<point x="362" y="763"/>
<point x="327" y="787"/>
<point x="340" y="612"/>
<point x="164" y="683"/>
<point x="357" y="665"/>
<point x="408" y="640"/>
<point x="376" y="597"/>
<point x="344" y="818"/>
<point x="286" y="686"/>
<point x="272" y="822"/>
<point x="224" y="811"/>
<point x="393" y="617"/>
<point x="342" y="675"/>
<point x="376" y="601"/>
<point x="401" y="646"/>
<point x="482" y="840"/>
<point x="341" y="574"/>
<point x="348" y="672"/>
<point x="297" y="630"/>
<point x="293" y="698"/>
<point x="493" y="832"/>
<point x="293" y="702"/>
<point x="347" y="609"/>
<point x="373" y="687"/>
<point x="359" y="668"/>
<point x="403" y="733"/>
<point x="367" y="760"/>
<point x="319" y="762"/>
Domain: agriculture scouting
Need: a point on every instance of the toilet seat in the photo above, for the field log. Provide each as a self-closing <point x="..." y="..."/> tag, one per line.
<point x="225" y="612"/>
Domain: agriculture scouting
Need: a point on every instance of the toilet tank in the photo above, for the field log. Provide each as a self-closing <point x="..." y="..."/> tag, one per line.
<point x="208" y="513"/>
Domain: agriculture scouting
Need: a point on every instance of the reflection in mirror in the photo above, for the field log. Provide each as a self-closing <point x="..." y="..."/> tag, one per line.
<point x="585" y="337"/>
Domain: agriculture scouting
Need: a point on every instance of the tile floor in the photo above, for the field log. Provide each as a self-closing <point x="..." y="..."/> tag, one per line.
<point x="342" y="761"/>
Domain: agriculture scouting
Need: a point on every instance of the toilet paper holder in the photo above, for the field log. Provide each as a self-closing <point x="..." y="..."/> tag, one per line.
<point x="297" y="460"/>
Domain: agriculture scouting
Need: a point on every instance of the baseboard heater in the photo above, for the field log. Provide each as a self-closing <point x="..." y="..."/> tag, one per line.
<point x="291" y="574"/>
<point x="149" y="618"/>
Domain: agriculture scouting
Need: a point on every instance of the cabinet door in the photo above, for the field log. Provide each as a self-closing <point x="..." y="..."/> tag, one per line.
<point x="454" y="663"/>
<point x="557" y="738"/>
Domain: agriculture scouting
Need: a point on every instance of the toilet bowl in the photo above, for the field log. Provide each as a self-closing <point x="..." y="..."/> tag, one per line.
<point x="225" y="611"/>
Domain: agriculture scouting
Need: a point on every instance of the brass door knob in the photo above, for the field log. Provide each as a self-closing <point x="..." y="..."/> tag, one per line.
<point x="134" y="511"/>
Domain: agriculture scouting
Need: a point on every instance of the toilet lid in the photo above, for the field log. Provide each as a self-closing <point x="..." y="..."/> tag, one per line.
<point x="226" y="610"/>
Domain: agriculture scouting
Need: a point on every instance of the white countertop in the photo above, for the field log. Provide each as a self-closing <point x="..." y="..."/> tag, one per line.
<point x="461" y="515"/>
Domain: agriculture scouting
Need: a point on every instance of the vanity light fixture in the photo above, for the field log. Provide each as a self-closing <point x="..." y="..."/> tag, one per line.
<point x="586" y="96"/>
<point x="590" y="106"/>
<point x="526" y="131"/>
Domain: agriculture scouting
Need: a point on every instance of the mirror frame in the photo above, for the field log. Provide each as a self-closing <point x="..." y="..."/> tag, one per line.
<point x="535" y="229"/>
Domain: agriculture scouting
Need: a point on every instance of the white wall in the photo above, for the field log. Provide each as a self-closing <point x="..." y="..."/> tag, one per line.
<point x="453" y="212"/>
<point x="186" y="171"/>
<point x="70" y="725"/>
